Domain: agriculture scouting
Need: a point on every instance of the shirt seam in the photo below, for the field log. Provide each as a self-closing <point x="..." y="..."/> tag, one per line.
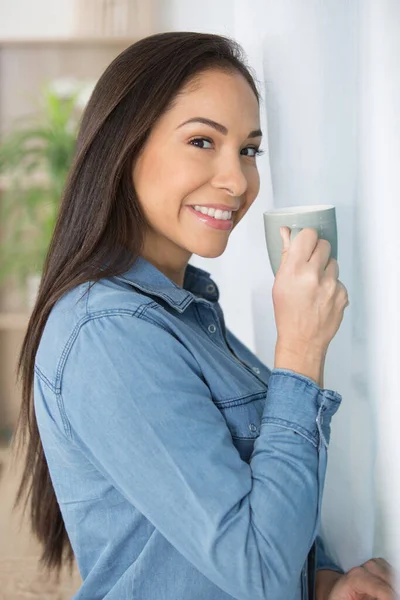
<point x="69" y="344"/>
<point x="240" y="400"/>
<point x="294" y="427"/>
<point x="58" y="397"/>
<point x="139" y="312"/>
<point x="45" y="380"/>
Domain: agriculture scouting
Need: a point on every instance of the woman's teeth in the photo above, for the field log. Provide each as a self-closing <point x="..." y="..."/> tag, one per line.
<point x="224" y="215"/>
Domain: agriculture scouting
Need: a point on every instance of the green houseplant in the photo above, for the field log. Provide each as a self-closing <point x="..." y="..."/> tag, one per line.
<point x="34" y="161"/>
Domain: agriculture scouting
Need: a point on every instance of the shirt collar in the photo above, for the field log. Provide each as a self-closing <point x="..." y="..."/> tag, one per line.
<point x="144" y="276"/>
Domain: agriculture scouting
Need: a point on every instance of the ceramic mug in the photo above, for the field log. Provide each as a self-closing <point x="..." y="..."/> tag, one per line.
<point x="321" y="217"/>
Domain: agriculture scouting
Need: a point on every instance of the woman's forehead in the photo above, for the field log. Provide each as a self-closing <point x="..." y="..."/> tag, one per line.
<point x="218" y="96"/>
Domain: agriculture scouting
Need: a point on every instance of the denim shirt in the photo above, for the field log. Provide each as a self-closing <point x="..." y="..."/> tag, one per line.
<point x="184" y="468"/>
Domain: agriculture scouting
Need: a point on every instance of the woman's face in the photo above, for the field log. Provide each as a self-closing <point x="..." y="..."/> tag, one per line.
<point x="195" y="164"/>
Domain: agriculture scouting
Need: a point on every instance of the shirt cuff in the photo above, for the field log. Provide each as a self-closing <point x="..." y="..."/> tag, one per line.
<point x="297" y="402"/>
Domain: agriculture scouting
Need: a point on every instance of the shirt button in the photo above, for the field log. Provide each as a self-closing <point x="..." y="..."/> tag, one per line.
<point x="210" y="288"/>
<point x="212" y="328"/>
<point x="256" y="370"/>
<point x="252" y="427"/>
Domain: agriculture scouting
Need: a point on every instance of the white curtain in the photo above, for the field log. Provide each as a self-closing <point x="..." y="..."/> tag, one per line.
<point x="329" y="73"/>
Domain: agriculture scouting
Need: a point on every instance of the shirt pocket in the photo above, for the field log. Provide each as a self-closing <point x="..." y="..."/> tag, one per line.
<point x="243" y="418"/>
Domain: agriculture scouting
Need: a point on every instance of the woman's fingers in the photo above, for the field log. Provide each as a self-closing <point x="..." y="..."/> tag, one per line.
<point x="362" y="581"/>
<point x="332" y="269"/>
<point x="302" y="247"/>
<point x="380" y="568"/>
<point x="320" y="256"/>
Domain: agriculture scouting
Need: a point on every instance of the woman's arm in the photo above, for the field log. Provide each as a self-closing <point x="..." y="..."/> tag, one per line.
<point x="325" y="580"/>
<point x="142" y="412"/>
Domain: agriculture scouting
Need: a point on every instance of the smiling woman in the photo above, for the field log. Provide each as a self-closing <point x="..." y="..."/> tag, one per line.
<point x="161" y="452"/>
<point x="181" y="166"/>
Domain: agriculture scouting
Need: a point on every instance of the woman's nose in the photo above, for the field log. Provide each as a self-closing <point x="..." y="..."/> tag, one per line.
<point x="230" y="177"/>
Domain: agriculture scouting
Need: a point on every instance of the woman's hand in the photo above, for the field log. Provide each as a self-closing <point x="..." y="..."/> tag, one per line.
<point x="309" y="300"/>
<point x="373" y="580"/>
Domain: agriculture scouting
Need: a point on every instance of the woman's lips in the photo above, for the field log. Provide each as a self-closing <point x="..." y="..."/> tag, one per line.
<point x="211" y="221"/>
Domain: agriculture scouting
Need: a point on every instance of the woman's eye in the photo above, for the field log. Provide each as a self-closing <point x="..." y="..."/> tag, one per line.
<point x="199" y="141"/>
<point x="256" y="151"/>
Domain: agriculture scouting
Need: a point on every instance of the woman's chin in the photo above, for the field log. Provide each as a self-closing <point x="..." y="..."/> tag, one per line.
<point x="209" y="251"/>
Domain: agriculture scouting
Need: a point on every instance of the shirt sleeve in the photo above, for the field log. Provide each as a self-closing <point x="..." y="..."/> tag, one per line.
<point x="323" y="559"/>
<point x="143" y="413"/>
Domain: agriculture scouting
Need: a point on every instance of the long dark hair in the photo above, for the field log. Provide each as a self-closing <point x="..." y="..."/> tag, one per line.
<point x="101" y="221"/>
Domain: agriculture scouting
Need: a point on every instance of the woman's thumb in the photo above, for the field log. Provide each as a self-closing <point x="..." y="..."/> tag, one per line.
<point x="285" y="235"/>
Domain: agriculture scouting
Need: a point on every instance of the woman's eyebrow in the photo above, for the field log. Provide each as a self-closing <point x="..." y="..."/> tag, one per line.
<point x="221" y="128"/>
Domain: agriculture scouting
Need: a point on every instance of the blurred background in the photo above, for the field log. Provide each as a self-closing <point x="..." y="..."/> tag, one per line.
<point x="330" y="85"/>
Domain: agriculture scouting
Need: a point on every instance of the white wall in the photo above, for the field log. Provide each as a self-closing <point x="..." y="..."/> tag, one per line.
<point x="379" y="216"/>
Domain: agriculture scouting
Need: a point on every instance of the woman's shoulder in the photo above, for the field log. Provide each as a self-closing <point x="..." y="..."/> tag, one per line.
<point x="85" y="308"/>
<point x="88" y="301"/>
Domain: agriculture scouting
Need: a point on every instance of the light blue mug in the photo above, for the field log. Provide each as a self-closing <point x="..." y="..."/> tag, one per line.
<point x="321" y="217"/>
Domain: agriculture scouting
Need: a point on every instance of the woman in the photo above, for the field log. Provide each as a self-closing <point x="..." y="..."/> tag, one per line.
<point x="161" y="452"/>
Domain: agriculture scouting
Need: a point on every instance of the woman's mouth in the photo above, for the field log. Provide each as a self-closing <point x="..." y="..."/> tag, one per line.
<point x="215" y="218"/>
